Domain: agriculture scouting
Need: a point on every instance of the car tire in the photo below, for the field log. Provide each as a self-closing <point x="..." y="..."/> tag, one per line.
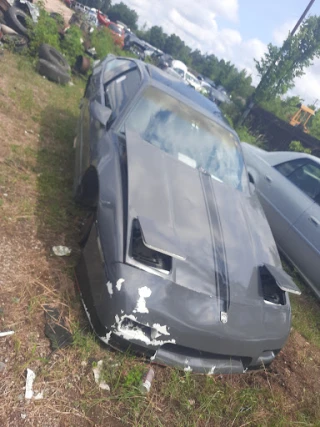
<point x="17" y="20"/>
<point x="49" y="53"/>
<point x="53" y="72"/>
<point x="16" y="42"/>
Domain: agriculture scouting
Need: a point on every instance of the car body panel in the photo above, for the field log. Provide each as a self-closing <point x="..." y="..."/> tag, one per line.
<point x="293" y="216"/>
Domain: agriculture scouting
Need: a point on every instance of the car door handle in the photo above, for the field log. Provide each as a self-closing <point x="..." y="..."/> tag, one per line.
<point x="267" y="178"/>
<point x="314" y="220"/>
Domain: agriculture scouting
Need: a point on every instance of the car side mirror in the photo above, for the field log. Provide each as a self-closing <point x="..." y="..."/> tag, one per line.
<point x="100" y="112"/>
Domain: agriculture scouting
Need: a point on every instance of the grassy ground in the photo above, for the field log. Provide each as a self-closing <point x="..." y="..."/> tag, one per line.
<point x="37" y="127"/>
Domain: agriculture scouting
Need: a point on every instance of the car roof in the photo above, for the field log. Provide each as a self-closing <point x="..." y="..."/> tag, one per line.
<point x="277" y="157"/>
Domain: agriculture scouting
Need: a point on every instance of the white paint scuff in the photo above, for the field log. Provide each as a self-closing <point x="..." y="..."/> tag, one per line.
<point x="97" y="376"/>
<point x="161" y="330"/>
<point x="110" y="289"/>
<point x="119" y="284"/>
<point x="130" y="332"/>
<point x="29" y="383"/>
<point x="144" y="293"/>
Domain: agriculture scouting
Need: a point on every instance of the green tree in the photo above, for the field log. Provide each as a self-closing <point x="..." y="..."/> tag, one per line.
<point x="121" y="12"/>
<point x="157" y="37"/>
<point x="280" y="66"/>
<point x="315" y="125"/>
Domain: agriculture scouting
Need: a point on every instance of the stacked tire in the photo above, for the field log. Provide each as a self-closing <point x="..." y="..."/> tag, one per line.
<point x="53" y="65"/>
<point x="16" y="20"/>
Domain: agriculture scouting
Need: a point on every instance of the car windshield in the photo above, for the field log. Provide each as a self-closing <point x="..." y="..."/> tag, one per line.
<point x="189" y="136"/>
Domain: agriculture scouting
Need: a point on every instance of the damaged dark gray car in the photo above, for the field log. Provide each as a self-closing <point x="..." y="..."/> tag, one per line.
<point x="178" y="261"/>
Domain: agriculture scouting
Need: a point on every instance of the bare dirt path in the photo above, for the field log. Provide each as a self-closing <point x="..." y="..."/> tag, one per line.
<point x="59" y="7"/>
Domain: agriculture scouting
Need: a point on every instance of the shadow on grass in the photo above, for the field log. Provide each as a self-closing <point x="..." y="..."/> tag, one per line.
<point x="57" y="216"/>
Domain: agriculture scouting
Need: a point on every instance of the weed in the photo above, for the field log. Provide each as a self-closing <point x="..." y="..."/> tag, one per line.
<point x="71" y="45"/>
<point x="45" y="31"/>
<point x="102" y="40"/>
<point x="133" y="377"/>
<point x="83" y="340"/>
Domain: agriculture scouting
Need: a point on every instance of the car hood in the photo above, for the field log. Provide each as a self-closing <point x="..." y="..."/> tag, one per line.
<point x="216" y="235"/>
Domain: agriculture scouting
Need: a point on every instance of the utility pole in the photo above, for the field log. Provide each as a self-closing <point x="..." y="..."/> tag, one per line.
<point x="251" y="102"/>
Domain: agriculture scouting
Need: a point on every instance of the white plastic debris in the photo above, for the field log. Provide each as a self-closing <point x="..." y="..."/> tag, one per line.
<point x="23" y="416"/>
<point x="6" y="334"/>
<point x="97" y="376"/>
<point x="61" y="250"/>
<point x="39" y="396"/>
<point x="29" y="383"/>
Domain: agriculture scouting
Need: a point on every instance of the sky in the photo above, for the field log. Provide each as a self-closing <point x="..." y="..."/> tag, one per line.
<point x="235" y="30"/>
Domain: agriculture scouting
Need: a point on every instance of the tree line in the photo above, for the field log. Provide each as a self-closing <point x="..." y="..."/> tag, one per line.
<point x="279" y="66"/>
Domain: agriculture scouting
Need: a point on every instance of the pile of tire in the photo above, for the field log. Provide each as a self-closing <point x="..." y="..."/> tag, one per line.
<point x="16" y="20"/>
<point x="53" y="65"/>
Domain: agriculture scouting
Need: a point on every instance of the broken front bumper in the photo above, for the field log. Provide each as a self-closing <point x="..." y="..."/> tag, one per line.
<point x="173" y="327"/>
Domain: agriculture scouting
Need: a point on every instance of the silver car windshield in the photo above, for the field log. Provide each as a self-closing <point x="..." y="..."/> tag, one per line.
<point x="186" y="134"/>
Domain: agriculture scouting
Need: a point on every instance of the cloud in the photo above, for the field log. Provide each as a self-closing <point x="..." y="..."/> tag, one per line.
<point x="281" y="33"/>
<point x="308" y="86"/>
<point x="152" y="11"/>
<point x="197" y="24"/>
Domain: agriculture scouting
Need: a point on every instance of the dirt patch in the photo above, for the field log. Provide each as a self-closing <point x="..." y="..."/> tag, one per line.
<point x="59" y="6"/>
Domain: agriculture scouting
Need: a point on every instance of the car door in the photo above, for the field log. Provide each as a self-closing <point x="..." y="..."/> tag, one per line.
<point x="282" y="202"/>
<point x="302" y="243"/>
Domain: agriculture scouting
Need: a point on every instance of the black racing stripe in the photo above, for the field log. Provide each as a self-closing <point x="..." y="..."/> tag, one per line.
<point x="221" y="268"/>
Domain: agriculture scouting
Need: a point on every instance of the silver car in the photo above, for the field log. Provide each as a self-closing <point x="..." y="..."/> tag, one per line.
<point x="288" y="185"/>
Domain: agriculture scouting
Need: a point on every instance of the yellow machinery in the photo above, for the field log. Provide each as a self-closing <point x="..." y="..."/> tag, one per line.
<point x="302" y="117"/>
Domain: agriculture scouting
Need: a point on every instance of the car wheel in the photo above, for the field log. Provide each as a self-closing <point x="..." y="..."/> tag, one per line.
<point x="52" y="72"/>
<point x="52" y="55"/>
<point x="17" y="20"/>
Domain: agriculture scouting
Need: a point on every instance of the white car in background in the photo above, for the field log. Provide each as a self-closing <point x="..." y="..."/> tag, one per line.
<point x="182" y="70"/>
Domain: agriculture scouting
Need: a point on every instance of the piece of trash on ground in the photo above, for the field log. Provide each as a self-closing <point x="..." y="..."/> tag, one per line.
<point x="61" y="250"/>
<point x="146" y="381"/>
<point x="56" y="329"/>
<point x="97" y="376"/>
<point x="2" y="366"/>
<point x="38" y="396"/>
<point x="6" y="334"/>
<point x="29" y="383"/>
